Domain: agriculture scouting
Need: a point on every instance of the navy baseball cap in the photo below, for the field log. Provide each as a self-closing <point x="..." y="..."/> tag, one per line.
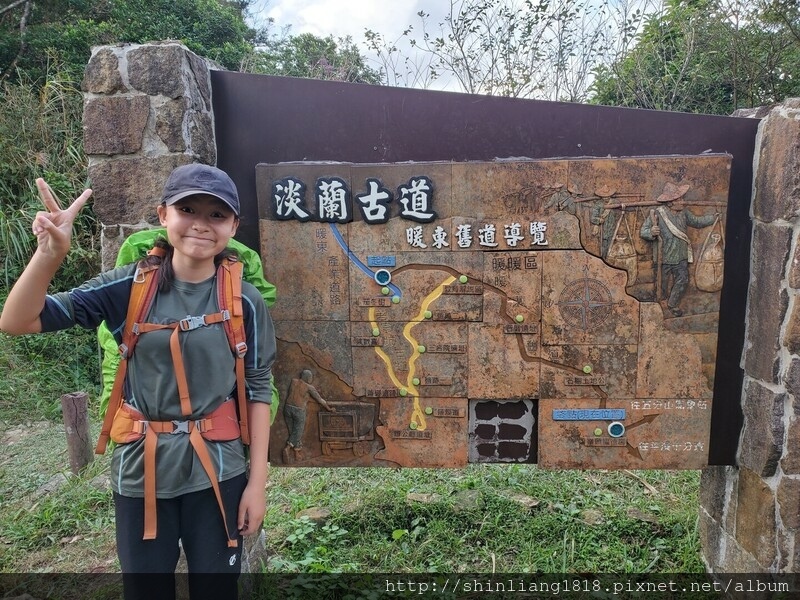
<point x="193" y="179"/>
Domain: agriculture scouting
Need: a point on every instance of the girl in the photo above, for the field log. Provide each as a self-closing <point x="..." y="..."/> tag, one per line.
<point x="207" y="509"/>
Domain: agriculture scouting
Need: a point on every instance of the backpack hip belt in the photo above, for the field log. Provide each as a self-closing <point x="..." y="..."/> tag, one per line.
<point x="231" y="315"/>
<point x="221" y="425"/>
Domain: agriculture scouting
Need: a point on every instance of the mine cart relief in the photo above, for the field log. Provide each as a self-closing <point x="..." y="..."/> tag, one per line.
<point x="562" y="312"/>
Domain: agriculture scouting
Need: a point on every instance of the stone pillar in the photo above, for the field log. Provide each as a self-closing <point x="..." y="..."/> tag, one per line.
<point x="147" y="109"/>
<point x="750" y="514"/>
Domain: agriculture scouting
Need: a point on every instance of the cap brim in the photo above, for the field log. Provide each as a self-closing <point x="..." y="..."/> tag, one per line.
<point x="187" y="193"/>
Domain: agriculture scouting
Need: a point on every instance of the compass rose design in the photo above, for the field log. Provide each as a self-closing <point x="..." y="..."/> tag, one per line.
<point x="585" y="303"/>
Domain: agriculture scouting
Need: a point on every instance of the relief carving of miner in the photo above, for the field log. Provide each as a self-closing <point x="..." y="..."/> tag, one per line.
<point x="294" y="412"/>
<point x="667" y="226"/>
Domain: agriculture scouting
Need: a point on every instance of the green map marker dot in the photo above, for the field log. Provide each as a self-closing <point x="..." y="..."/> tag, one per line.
<point x="428" y="314"/>
<point x="428" y="410"/>
<point x="385" y="291"/>
<point x="587" y="369"/>
<point x="412" y="425"/>
<point x="421" y="349"/>
<point x="403" y="392"/>
<point x="376" y="332"/>
<point x="396" y="299"/>
<point x="598" y="432"/>
<point x="415" y="381"/>
<point x="519" y="318"/>
<point x="463" y="279"/>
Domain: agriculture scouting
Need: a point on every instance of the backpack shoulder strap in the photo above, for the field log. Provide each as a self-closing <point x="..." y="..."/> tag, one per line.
<point x="229" y="300"/>
<point x="143" y="290"/>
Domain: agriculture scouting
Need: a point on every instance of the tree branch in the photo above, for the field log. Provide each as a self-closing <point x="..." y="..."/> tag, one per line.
<point x="12" y="6"/>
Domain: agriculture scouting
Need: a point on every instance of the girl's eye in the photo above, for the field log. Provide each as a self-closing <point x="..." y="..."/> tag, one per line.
<point x="186" y="209"/>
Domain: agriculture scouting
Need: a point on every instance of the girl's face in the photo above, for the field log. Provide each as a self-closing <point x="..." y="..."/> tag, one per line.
<point x="198" y="227"/>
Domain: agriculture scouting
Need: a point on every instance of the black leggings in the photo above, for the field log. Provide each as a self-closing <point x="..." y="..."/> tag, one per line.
<point x="148" y="566"/>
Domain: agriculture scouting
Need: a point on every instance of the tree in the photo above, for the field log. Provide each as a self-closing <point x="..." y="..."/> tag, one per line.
<point x="307" y="55"/>
<point x="526" y="48"/>
<point x="710" y="56"/>
<point x="32" y="32"/>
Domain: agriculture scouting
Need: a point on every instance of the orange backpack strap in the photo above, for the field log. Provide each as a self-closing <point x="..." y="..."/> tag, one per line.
<point x="229" y="300"/>
<point x="143" y="289"/>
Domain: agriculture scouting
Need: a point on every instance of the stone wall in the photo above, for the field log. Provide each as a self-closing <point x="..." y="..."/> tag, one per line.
<point x="750" y="514"/>
<point x="147" y="110"/>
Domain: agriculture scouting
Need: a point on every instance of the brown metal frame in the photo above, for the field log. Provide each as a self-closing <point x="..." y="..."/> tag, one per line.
<point x="263" y="119"/>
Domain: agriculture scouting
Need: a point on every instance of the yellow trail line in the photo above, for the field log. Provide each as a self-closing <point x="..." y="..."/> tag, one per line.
<point x="418" y="415"/>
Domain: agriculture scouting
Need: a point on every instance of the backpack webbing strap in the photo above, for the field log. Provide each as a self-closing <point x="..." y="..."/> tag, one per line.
<point x="229" y="297"/>
<point x="199" y="445"/>
<point x="143" y="289"/>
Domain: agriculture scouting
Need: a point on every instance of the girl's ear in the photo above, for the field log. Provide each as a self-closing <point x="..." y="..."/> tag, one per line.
<point x="161" y="211"/>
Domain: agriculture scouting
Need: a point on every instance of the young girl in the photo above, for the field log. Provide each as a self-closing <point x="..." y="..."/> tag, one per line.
<point x="200" y="211"/>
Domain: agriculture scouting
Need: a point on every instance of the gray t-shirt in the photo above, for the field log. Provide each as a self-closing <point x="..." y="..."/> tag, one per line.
<point x="151" y="385"/>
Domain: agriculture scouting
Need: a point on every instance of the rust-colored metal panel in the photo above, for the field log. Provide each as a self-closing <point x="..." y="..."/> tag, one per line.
<point x="561" y="311"/>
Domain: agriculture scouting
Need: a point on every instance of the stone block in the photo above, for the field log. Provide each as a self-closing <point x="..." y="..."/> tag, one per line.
<point x="114" y="125"/>
<point x="777" y="180"/>
<point x="788" y="495"/>
<point x="791" y="338"/>
<point x="202" y="141"/>
<point x="158" y="70"/>
<point x="711" y="535"/>
<point x="713" y="491"/>
<point x="111" y="239"/>
<point x="794" y="270"/>
<point x="755" y="519"/>
<point x="128" y="190"/>
<point x="200" y="68"/>
<point x="761" y="444"/>
<point x="790" y="463"/>
<point x="169" y="124"/>
<point x="102" y="75"/>
<point x="767" y="302"/>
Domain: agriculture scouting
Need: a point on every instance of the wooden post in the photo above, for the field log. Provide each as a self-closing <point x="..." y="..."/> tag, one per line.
<point x="75" y="410"/>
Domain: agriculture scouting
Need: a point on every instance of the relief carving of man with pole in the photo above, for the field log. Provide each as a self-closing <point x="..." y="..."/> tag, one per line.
<point x="667" y="226"/>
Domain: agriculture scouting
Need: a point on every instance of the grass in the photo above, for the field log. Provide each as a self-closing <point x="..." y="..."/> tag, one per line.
<point x="480" y="519"/>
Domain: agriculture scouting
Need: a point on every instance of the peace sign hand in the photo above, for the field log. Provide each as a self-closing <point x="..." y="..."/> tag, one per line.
<point x="53" y="226"/>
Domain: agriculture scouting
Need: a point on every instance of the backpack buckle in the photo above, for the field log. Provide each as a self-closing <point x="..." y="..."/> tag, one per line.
<point x="180" y="427"/>
<point x="241" y="349"/>
<point x="191" y="322"/>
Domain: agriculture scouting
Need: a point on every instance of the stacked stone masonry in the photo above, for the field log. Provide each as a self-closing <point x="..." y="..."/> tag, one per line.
<point x="750" y="514"/>
<point x="147" y="110"/>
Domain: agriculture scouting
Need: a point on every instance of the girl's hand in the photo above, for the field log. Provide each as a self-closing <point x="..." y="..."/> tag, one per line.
<point x="53" y="226"/>
<point x="252" y="508"/>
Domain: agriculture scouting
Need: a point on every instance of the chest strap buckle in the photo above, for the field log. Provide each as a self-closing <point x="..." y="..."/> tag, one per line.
<point x="190" y="322"/>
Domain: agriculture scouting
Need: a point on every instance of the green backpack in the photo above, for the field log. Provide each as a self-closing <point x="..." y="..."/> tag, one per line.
<point x="134" y="248"/>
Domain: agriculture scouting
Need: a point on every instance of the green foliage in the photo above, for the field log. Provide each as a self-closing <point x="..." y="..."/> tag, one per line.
<point x="307" y="55"/>
<point x="707" y="56"/>
<point x="41" y="136"/>
<point x="39" y="369"/>
<point x="314" y="548"/>
<point x="570" y="521"/>
<point x="212" y="28"/>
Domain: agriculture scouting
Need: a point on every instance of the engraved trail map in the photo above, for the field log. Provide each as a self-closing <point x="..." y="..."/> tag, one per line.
<point x="562" y="312"/>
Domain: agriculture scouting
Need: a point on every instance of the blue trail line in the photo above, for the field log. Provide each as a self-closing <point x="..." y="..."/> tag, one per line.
<point x="353" y="258"/>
